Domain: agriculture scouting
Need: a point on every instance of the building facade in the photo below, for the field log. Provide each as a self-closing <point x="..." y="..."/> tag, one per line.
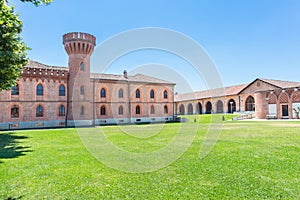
<point x="263" y="98"/>
<point x="50" y="96"/>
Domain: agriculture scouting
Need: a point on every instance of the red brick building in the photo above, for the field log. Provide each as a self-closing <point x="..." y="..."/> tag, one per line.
<point x="50" y="96"/>
<point x="263" y="98"/>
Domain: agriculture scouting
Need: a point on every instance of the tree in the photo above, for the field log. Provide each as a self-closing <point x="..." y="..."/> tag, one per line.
<point x="13" y="56"/>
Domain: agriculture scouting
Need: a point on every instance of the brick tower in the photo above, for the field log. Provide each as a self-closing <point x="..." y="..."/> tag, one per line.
<point x="79" y="47"/>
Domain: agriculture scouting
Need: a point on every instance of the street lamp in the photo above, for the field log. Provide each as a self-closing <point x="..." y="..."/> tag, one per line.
<point x="231" y="106"/>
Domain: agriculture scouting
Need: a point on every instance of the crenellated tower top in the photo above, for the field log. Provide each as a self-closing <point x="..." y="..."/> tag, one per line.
<point x="79" y="43"/>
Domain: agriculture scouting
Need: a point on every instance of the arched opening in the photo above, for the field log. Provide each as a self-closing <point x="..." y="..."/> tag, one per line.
<point x="15" y="90"/>
<point x="181" y="109"/>
<point x="152" y="110"/>
<point x="250" y="104"/>
<point x="62" y="90"/>
<point x="102" y="110"/>
<point x="190" y="109"/>
<point x="165" y="94"/>
<point x="120" y="110"/>
<point x="102" y="93"/>
<point x="61" y="110"/>
<point x="82" y="66"/>
<point x="220" y="106"/>
<point x="14" y="111"/>
<point x="82" y="110"/>
<point x="82" y="90"/>
<point x="137" y="110"/>
<point x="137" y="94"/>
<point x="208" y="107"/>
<point x="152" y="94"/>
<point x="39" y="90"/>
<point x="39" y="112"/>
<point x="166" y="109"/>
<point x="231" y="106"/>
<point x="120" y="93"/>
<point x="199" y="108"/>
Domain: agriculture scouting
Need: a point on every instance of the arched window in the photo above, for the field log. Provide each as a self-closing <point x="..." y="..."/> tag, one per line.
<point x="82" y="90"/>
<point x="15" y="90"/>
<point x="165" y="94"/>
<point x="102" y="93"/>
<point x="62" y="90"/>
<point x="39" y="111"/>
<point x="120" y="110"/>
<point x="39" y="90"/>
<point x="137" y="110"/>
<point x="14" y="112"/>
<point x="61" y="110"/>
<point x="120" y="93"/>
<point x="82" y="66"/>
<point x="82" y="110"/>
<point x="250" y="104"/>
<point x="152" y="94"/>
<point x="137" y="94"/>
<point x="102" y="110"/>
<point x="166" y="109"/>
<point x="152" y="110"/>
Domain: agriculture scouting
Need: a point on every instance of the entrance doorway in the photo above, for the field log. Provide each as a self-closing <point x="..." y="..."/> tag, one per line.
<point x="285" y="111"/>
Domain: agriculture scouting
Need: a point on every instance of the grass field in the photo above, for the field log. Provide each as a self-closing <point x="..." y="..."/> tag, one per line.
<point x="251" y="160"/>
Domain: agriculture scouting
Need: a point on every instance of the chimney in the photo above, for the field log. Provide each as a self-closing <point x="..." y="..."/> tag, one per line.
<point x="125" y="74"/>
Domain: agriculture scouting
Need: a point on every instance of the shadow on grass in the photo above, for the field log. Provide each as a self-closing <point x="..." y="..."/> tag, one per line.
<point x="10" y="146"/>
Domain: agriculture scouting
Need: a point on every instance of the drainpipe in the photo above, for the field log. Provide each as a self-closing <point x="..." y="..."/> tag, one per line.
<point x="67" y="111"/>
<point x="93" y="102"/>
<point x="129" y="101"/>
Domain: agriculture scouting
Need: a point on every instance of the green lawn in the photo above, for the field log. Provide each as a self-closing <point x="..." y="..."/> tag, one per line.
<point x="251" y="160"/>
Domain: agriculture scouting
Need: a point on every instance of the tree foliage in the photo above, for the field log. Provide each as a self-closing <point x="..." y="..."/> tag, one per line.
<point x="13" y="56"/>
<point x="12" y="48"/>
<point x="38" y="2"/>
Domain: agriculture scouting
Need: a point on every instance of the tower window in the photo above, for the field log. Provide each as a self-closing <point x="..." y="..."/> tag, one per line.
<point x="152" y="94"/>
<point x="82" y="110"/>
<point x="137" y="94"/>
<point x="39" y="111"/>
<point x="120" y="93"/>
<point x="15" y="90"/>
<point x="39" y="90"/>
<point x="137" y="110"/>
<point x="61" y="111"/>
<point x="102" y="110"/>
<point x="102" y="93"/>
<point x="82" y="90"/>
<point x="14" y="111"/>
<point x="81" y="66"/>
<point x="62" y="90"/>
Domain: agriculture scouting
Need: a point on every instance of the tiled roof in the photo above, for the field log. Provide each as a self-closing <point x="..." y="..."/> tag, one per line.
<point x="135" y="78"/>
<point x="219" y="92"/>
<point x="281" y="84"/>
<point x="232" y="90"/>
<point x="37" y="65"/>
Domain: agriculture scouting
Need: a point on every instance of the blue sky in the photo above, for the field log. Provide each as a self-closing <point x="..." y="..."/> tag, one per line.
<point x="245" y="39"/>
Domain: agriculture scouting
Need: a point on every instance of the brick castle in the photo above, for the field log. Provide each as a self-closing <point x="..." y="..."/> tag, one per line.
<point x="51" y="96"/>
